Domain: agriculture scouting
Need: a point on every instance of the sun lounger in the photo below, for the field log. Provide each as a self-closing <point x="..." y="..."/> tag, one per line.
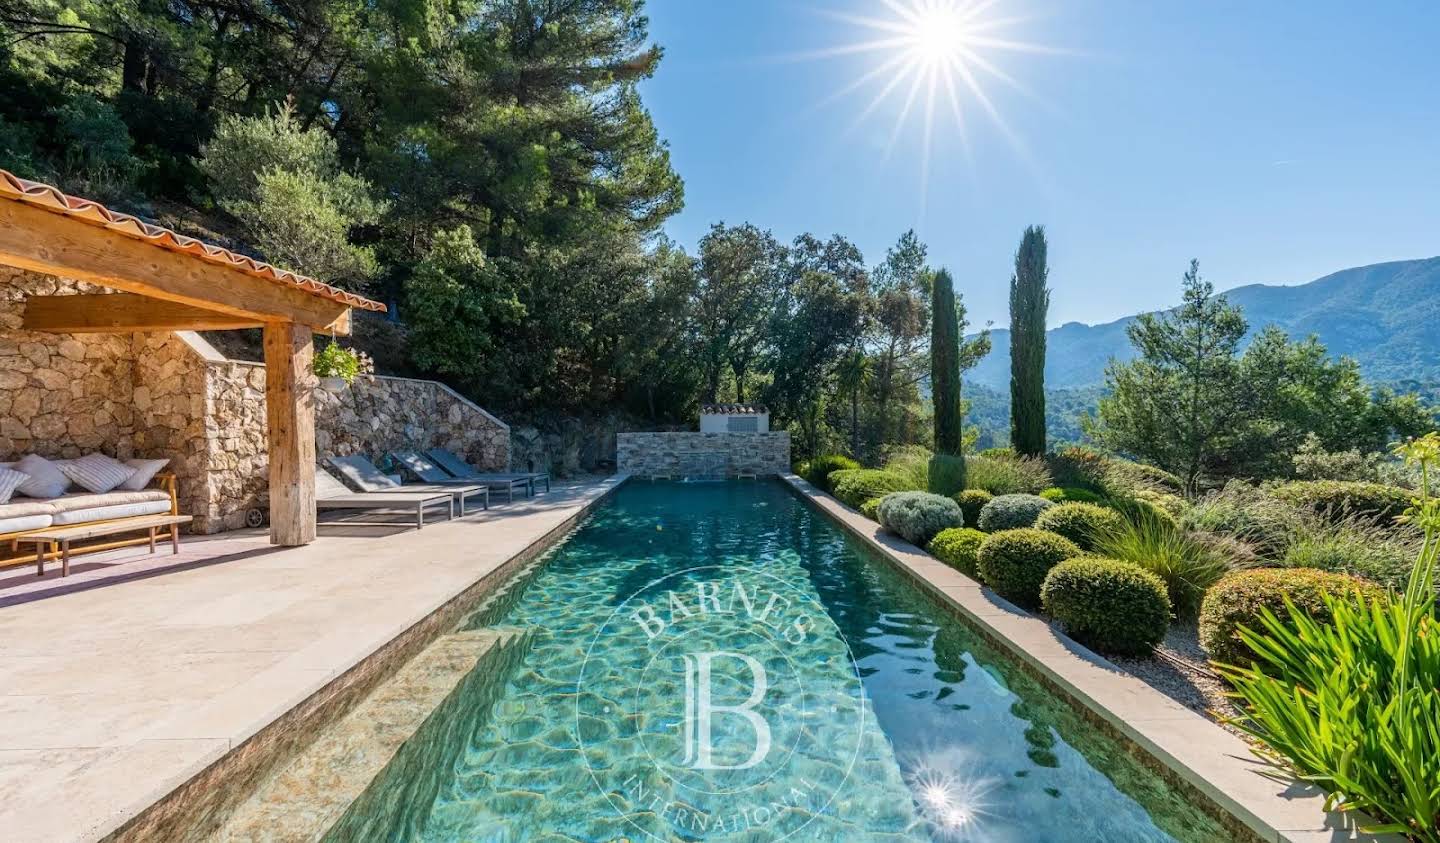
<point x="362" y="474"/>
<point x="332" y="494"/>
<point x="461" y="470"/>
<point x="429" y="472"/>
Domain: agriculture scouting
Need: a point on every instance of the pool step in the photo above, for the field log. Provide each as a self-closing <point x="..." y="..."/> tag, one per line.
<point x="305" y="799"/>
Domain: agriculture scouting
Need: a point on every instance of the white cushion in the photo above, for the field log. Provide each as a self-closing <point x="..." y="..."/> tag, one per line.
<point x="46" y="479"/>
<point x="10" y="480"/>
<point x="97" y="472"/>
<point x="22" y="523"/>
<point x="82" y="509"/>
<point x="145" y="471"/>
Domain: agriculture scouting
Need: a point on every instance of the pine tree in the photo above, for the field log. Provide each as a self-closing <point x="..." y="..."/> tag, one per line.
<point x="1029" y="304"/>
<point x="945" y="365"/>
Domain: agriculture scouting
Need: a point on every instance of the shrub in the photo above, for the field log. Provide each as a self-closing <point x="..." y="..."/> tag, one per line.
<point x="1080" y="466"/>
<point x="1005" y="452"/>
<point x="1015" y="562"/>
<point x="971" y="502"/>
<point x="1113" y="606"/>
<point x="1358" y="547"/>
<point x="855" y="486"/>
<point x="1313" y="462"/>
<point x="1071" y="494"/>
<point x="1011" y="512"/>
<point x="1246" y="513"/>
<point x="871" y="509"/>
<point x="1239" y="598"/>
<point x="1175" y="505"/>
<point x="1337" y="499"/>
<point x="1137" y="476"/>
<point x="1007" y="475"/>
<point x="946" y="474"/>
<point x="1188" y="565"/>
<point x="1353" y="703"/>
<point x="817" y="471"/>
<point x="911" y="462"/>
<point x="958" y="547"/>
<point x="917" y="516"/>
<point x="1082" y="523"/>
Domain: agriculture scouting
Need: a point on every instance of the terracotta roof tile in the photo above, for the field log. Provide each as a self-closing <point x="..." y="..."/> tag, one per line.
<point x="51" y="199"/>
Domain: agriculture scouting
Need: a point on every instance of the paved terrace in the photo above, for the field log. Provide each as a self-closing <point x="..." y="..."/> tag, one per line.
<point x="127" y="678"/>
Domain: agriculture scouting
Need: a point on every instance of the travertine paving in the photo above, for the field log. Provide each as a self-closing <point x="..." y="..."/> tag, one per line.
<point x="113" y="695"/>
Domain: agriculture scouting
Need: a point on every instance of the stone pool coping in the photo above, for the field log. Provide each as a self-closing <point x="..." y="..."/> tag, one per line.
<point x="1213" y="762"/>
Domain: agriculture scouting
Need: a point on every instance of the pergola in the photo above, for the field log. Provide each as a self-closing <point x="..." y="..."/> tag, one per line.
<point x="168" y="282"/>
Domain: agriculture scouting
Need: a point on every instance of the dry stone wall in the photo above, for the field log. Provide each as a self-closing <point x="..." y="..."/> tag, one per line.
<point x="693" y="453"/>
<point x="170" y="395"/>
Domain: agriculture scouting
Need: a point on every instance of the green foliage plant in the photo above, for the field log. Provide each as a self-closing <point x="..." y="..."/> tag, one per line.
<point x="917" y="516"/>
<point x="1116" y="607"/>
<point x="945" y="340"/>
<point x="1015" y="562"/>
<point x="1187" y="564"/>
<point x="336" y="361"/>
<point x="1353" y="704"/>
<point x="871" y="509"/>
<point x="1358" y="546"/>
<point x="855" y="486"/>
<point x="1337" y="499"/>
<point x="1029" y="306"/>
<point x="946" y="474"/>
<point x="958" y="547"/>
<point x="1011" y="512"/>
<point x="1082" y="523"/>
<point x="1240" y="599"/>
<point x="1001" y="475"/>
<point x="1072" y="494"/>
<point x="818" y="470"/>
<point x="971" y="502"/>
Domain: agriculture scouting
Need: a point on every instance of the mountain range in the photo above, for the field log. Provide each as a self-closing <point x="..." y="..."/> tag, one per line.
<point x="1386" y="316"/>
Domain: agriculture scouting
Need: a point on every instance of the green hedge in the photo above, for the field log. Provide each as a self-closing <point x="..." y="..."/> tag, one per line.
<point x="1015" y="562"/>
<point x="958" y="547"/>
<point x="871" y="509"/>
<point x="1237" y="599"/>
<point x="971" y="502"/>
<point x="1338" y="499"/>
<point x="855" y="486"/>
<point x="1011" y="512"/>
<point x="1082" y="523"/>
<point x="917" y="516"/>
<point x="818" y="470"/>
<point x="1113" y="606"/>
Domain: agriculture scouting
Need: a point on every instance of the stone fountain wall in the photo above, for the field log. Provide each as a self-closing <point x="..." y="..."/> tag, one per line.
<point x="172" y="395"/>
<point x="694" y="454"/>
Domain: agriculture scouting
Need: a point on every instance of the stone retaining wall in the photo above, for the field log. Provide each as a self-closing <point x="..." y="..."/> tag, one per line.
<point x="694" y="453"/>
<point x="172" y="395"/>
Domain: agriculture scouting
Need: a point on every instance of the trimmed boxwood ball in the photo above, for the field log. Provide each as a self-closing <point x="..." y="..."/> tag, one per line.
<point x="1337" y="499"/>
<point x="818" y="470"/>
<point x="958" y="547"/>
<point x="1071" y="494"/>
<point x="971" y="502"/>
<point x="1236" y="601"/>
<point x="1011" y="512"/>
<point x="1113" y="606"/>
<point x="1015" y="562"/>
<point x="871" y="509"/>
<point x="917" y="516"/>
<point x="855" y="486"/>
<point x="1082" y="523"/>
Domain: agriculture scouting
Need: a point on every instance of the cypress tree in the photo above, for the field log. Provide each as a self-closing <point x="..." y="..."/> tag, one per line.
<point x="1029" y="304"/>
<point x="945" y="365"/>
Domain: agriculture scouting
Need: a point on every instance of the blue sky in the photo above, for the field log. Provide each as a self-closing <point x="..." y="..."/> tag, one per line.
<point x="1276" y="141"/>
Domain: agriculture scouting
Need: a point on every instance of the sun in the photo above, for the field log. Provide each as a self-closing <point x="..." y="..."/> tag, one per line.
<point x="938" y="60"/>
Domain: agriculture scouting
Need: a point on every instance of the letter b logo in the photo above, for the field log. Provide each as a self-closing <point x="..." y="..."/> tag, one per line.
<point x="700" y="711"/>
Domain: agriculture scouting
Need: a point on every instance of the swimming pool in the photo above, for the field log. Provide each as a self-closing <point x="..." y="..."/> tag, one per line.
<point x="719" y="661"/>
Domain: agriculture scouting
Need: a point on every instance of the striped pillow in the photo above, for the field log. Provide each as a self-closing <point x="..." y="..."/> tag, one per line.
<point x="10" y="480"/>
<point x="97" y="472"/>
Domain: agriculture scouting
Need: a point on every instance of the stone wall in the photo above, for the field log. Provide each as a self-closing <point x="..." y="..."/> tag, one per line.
<point x="693" y="453"/>
<point x="172" y="395"/>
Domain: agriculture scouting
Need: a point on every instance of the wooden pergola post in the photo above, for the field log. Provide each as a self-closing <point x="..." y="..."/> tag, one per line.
<point x="290" y="417"/>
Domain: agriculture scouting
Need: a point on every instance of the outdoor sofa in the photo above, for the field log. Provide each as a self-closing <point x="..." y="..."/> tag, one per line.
<point x="26" y="509"/>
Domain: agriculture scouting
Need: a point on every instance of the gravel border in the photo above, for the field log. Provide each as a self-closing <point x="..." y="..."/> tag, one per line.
<point x="1180" y="670"/>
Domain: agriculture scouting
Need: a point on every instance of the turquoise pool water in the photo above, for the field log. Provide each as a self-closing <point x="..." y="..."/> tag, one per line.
<point x="719" y="661"/>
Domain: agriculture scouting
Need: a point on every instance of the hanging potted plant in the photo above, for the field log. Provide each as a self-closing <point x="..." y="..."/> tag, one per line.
<point x="336" y="366"/>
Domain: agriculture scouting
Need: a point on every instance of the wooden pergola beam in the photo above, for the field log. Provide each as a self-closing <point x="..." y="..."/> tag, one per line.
<point x="123" y="313"/>
<point x="55" y="244"/>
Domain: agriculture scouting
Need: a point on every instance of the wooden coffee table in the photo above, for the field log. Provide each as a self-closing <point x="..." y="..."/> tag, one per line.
<point x="64" y="535"/>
